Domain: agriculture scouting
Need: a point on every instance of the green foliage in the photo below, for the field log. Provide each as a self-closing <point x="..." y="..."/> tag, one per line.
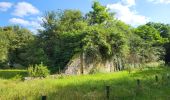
<point x="4" y="42"/>
<point x="102" y="43"/>
<point x="17" y="77"/>
<point x="97" y="35"/>
<point x="13" y="40"/>
<point x="38" y="71"/>
<point x="98" y="15"/>
<point x="33" y="54"/>
<point x="62" y="36"/>
<point x="152" y="43"/>
<point x="150" y="34"/>
<point x="164" y="30"/>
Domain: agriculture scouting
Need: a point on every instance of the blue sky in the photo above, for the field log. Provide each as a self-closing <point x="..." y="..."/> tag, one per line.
<point x="28" y="13"/>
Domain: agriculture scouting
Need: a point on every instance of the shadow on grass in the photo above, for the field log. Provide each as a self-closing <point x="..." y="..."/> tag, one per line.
<point x="151" y="72"/>
<point x="124" y="88"/>
<point x="92" y="88"/>
<point x="96" y="91"/>
<point x="9" y="74"/>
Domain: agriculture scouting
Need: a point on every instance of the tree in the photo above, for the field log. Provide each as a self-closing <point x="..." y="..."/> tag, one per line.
<point x="4" y="42"/>
<point x="98" y="15"/>
<point x="22" y="37"/>
<point x="61" y="37"/>
<point x="103" y="44"/>
<point x="152" y="43"/>
<point x="34" y="54"/>
<point x="16" y="39"/>
<point x="164" y="30"/>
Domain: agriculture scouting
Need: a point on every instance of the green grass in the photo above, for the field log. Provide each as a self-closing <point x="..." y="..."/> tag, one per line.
<point x="12" y="73"/>
<point x="92" y="87"/>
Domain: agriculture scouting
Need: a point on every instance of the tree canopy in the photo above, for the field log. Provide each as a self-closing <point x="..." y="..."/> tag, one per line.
<point x="97" y="35"/>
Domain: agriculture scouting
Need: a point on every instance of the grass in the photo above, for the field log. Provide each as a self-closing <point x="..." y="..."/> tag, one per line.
<point x="12" y="73"/>
<point x="92" y="87"/>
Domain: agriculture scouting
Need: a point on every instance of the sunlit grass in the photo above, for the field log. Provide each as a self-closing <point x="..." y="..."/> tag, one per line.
<point x="92" y="87"/>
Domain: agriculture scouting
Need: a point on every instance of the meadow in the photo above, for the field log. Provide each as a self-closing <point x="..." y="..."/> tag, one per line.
<point x="123" y="86"/>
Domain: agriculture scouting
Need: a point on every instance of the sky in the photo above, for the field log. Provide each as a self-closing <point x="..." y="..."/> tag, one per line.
<point x="29" y="13"/>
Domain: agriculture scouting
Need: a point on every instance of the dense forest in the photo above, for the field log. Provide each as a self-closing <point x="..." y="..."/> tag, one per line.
<point x="98" y="36"/>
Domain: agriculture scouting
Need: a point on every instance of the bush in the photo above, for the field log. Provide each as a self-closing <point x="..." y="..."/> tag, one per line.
<point x="17" y="77"/>
<point x="38" y="71"/>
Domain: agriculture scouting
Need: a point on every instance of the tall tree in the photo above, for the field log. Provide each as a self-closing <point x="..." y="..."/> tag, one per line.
<point x="164" y="30"/>
<point x="61" y="36"/>
<point x="99" y="14"/>
<point x="4" y="42"/>
<point x="152" y="43"/>
<point x="13" y="40"/>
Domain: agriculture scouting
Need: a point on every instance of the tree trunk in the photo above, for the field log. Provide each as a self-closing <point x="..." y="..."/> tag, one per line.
<point x="81" y="63"/>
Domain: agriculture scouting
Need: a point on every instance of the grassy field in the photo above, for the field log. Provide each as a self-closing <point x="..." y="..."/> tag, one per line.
<point x="123" y="86"/>
<point x="12" y="74"/>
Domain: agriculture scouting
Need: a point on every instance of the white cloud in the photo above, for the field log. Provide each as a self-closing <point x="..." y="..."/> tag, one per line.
<point x="33" y="24"/>
<point x="24" y="9"/>
<point x="160" y="1"/>
<point x="124" y="13"/>
<point x="36" y="22"/>
<point x="128" y="2"/>
<point x="4" y="6"/>
<point x="19" y="21"/>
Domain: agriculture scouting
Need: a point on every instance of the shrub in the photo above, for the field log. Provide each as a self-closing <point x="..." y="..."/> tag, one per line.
<point x="38" y="71"/>
<point x="17" y="77"/>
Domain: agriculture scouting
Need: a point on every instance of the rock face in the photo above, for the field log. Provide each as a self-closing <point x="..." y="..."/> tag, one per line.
<point x="74" y="66"/>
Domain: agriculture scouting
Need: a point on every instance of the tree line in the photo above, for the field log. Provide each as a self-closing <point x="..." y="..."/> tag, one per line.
<point x="98" y="35"/>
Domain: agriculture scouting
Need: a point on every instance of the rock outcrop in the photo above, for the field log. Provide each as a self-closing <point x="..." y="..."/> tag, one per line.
<point x="74" y="66"/>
